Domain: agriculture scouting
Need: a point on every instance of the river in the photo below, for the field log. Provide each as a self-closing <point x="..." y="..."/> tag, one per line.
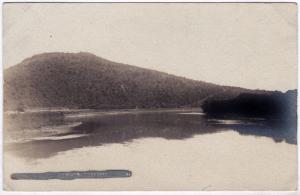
<point x="179" y="149"/>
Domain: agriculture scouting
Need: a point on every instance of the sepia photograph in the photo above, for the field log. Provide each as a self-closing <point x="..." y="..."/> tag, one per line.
<point x="150" y="97"/>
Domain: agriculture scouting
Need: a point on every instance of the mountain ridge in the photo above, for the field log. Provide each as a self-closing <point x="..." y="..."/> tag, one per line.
<point x="48" y="54"/>
<point x="84" y="80"/>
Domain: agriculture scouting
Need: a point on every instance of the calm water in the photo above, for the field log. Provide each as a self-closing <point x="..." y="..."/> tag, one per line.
<point x="88" y="129"/>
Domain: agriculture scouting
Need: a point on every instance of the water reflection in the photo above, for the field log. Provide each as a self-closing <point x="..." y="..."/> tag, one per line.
<point x="278" y="130"/>
<point x="124" y="128"/>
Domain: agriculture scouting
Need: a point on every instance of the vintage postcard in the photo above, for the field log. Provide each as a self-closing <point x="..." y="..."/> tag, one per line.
<point x="150" y="96"/>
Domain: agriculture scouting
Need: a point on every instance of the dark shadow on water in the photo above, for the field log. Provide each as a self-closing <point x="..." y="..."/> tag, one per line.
<point x="278" y="130"/>
<point x="125" y="128"/>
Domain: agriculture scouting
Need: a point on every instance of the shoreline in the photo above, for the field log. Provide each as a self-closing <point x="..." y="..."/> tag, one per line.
<point x="68" y="110"/>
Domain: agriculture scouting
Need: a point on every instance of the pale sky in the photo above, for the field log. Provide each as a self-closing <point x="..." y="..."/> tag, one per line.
<point x="251" y="45"/>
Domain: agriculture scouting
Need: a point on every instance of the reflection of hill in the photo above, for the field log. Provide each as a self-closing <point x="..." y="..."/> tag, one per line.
<point x="275" y="105"/>
<point x="128" y="127"/>
<point x="278" y="130"/>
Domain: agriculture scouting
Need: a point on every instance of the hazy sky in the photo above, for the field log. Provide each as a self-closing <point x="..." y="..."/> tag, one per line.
<point x="252" y="45"/>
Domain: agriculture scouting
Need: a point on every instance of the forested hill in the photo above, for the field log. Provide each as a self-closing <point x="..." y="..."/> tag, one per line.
<point x="83" y="80"/>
